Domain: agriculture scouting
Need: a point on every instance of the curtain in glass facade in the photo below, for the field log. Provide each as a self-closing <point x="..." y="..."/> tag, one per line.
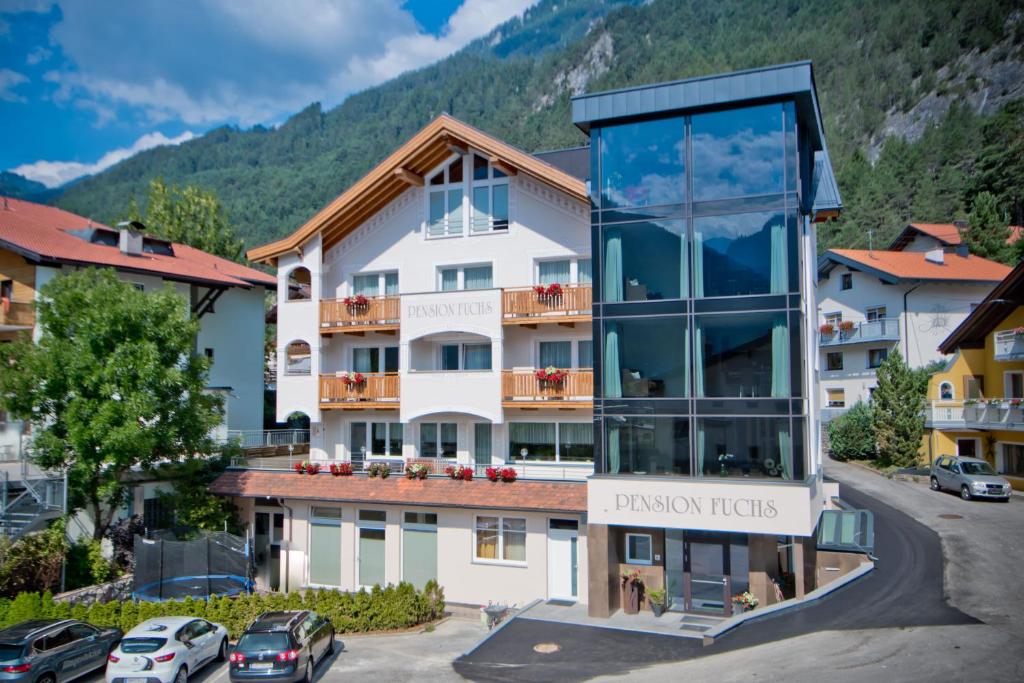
<point x="575" y="441"/>
<point x="371" y="557"/>
<point x="536" y="438"/>
<point x="785" y="452"/>
<point x="325" y="551"/>
<point x="698" y="265"/>
<point x="780" y="359"/>
<point x="613" y="265"/>
<point x="477" y="356"/>
<point x="698" y="361"/>
<point x="478" y="277"/>
<point x="779" y="269"/>
<point x="701" y="443"/>
<point x="419" y="556"/>
<point x="449" y="279"/>
<point x="482" y="443"/>
<point x="612" y="372"/>
<point x="367" y="285"/>
<point x="614" y="454"/>
<point x="391" y="284"/>
<point x="557" y="354"/>
<point x="549" y="272"/>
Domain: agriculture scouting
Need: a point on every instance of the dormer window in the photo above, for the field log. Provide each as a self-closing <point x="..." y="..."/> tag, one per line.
<point x="474" y="177"/>
<point x="490" y="197"/>
<point x="445" y="196"/>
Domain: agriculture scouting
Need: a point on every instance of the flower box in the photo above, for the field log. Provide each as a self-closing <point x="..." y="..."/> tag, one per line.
<point x="846" y="326"/>
<point x="552" y="375"/>
<point x="343" y="469"/>
<point x="416" y="471"/>
<point x="827" y="329"/>
<point x="353" y="379"/>
<point x="505" y="474"/>
<point x="379" y="469"/>
<point x="356" y="303"/>
<point x="460" y="472"/>
<point x="306" y="467"/>
<point x="552" y="291"/>
<point x="745" y="601"/>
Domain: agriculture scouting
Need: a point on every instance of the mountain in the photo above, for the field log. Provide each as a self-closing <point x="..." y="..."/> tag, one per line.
<point x="20" y="187"/>
<point x="908" y="90"/>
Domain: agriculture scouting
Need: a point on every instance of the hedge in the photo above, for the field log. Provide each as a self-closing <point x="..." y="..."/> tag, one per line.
<point x="380" y="609"/>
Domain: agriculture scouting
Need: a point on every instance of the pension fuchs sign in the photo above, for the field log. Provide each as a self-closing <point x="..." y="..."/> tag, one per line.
<point x="444" y="309"/>
<point x="760" y="507"/>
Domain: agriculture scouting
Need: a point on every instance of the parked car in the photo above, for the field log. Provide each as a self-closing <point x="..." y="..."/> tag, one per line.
<point x="972" y="477"/>
<point x="282" y="646"/>
<point x="53" y="650"/>
<point x="167" y="650"/>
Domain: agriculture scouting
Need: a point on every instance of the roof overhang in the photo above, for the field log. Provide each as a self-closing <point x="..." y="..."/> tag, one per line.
<point x="406" y="167"/>
<point x="1003" y="300"/>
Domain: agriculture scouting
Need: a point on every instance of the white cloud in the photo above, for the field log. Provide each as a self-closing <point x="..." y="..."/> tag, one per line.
<point x="56" y="173"/>
<point x="8" y="81"/>
<point x="37" y="55"/>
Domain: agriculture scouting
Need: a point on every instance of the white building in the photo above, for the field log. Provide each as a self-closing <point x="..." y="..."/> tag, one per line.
<point x="910" y="297"/>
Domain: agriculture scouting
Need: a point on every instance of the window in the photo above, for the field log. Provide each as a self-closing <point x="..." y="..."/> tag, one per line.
<point x="585" y="353"/>
<point x="500" y="539"/>
<point x="643" y="164"/>
<point x="876" y="357"/>
<point x="549" y="272"/>
<point x="156" y="515"/>
<point x="584" y="271"/>
<point x="438" y="440"/>
<point x="419" y="548"/>
<point x="551" y="441"/>
<point x="1013" y="459"/>
<point x="834" y="360"/>
<point x="742" y="254"/>
<point x="325" y="546"/>
<point x="974" y="386"/>
<point x="639" y="549"/>
<point x="967" y="448"/>
<point x="208" y="352"/>
<point x="482" y="443"/>
<point x="744" y="355"/>
<point x="298" y="359"/>
<point x="139" y="286"/>
<point x="386" y="438"/>
<point x="300" y="286"/>
<point x="946" y="391"/>
<point x="490" y="197"/>
<point x="457" y="357"/>
<point x="846" y="281"/>
<point x="645" y="357"/>
<point x="875" y="313"/>
<point x="757" y="447"/>
<point x="726" y="145"/>
<point x="833" y="319"/>
<point x="645" y="261"/>
<point x="368" y="359"/>
<point x="1014" y="385"/>
<point x="455" y="278"/>
<point x="647" y="445"/>
<point x="445" y="201"/>
<point x="375" y="284"/>
<point x="836" y="398"/>
<point x="372" y="547"/>
<point x="555" y="354"/>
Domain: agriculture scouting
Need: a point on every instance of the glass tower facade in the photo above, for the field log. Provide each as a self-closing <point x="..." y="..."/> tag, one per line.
<point x="697" y="226"/>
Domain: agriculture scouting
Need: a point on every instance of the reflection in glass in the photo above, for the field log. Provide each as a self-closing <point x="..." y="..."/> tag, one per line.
<point x="647" y="445"/>
<point x="741" y="254"/>
<point x="646" y="357"/>
<point x="742" y="355"/>
<point x="531" y="440"/>
<point x="755" y="447"/>
<point x="737" y="153"/>
<point x="642" y="164"/>
<point x="645" y="261"/>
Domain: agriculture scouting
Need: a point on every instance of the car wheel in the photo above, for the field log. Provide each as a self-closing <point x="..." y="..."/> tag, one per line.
<point x="330" y="647"/>
<point x="47" y="678"/>
<point x="222" y="653"/>
<point x="965" y="492"/>
<point x="181" y="676"/>
<point x="309" y="671"/>
<point x="935" y="484"/>
<point x="1004" y="500"/>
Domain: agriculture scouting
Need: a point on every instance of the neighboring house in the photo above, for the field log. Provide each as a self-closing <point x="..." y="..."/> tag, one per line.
<point x="420" y="311"/>
<point x="975" y="403"/>
<point x="947" y="236"/>
<point x="907" y="297"/>
<point x="39" y="243"/>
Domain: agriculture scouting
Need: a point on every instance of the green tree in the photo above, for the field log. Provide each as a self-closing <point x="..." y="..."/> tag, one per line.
<point x="113" y="384"/>
<point x="191" y="501"/>
<point x="191" y="216"/>
<point x="851" y="436"/>
<point x="33" y="562"/>
<point x="988" y="229"/>
<point x="898" y="406"/>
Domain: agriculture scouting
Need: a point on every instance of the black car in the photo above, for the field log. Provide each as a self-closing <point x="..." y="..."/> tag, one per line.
<point x="282" y="646"/>
<point x="53" y="650"/>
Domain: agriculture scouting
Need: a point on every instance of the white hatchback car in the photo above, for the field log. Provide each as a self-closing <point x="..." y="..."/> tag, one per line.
<point x="166" y="650"/>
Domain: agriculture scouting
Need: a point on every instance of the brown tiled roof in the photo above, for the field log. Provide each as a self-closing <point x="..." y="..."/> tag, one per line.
<point x="912" y="265"/>
<point x="553" y="496"/>
<point x="44" y="233"/>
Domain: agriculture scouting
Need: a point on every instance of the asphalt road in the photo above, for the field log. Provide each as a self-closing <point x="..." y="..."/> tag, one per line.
<point x="904" y="591"/>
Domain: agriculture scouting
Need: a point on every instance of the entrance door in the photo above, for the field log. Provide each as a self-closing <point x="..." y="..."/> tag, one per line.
<point x="707" y="577"/>
<point x="267" y="536"/>
<point x="563" y="559"/>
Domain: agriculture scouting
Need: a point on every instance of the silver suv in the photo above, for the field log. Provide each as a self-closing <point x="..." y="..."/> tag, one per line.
<point x="972" y="477"/>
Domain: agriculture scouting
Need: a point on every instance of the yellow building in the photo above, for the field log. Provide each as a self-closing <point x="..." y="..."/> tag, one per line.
<point x="976" y="404"/>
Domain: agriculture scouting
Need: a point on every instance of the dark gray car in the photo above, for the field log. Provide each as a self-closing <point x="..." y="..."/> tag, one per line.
<point x="971" y="477"/>
<point x="53" y="650"/>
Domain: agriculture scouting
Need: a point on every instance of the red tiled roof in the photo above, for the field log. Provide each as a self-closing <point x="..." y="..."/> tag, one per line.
<point x="946" y="233"/>
<point x="912" y="265"/>
<point x="435" y="491"/>
<point x="44" y="231"/>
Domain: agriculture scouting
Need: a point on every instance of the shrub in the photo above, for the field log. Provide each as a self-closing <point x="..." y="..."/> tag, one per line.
<point x="851" y="436"/>
<point x="86" y="566"/>
<point x="33" y="562"/>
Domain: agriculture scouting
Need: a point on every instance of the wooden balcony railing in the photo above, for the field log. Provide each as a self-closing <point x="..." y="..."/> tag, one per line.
<point x="523" y="387"/>
<point x="378" y="388"/>
<point x="379" y="313"/>
<point x="19" y="313"/>
<point x="523" y="306"/>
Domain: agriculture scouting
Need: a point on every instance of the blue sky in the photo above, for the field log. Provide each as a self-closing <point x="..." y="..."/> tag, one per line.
<point x="86" y="83"/>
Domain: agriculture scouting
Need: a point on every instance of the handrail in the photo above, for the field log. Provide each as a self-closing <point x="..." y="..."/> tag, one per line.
<point x="17" y="312"/>
<point x="378" y="310"/>
<point x="524" y="385"/>
<point x="377" y="386"/>
<point x="518" y="302"/>
<point x="867" y="330"/>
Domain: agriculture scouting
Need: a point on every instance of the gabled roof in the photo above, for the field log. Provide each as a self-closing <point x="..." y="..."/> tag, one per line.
<point x="390" y="178"/>
<point x="948" y="234"/>
<point x="44" y="234"/>
<point x="902" y="266"/>
<point x="993" y="310"/>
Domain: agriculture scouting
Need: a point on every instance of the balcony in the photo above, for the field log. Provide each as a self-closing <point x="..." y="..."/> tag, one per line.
<point x="16" y="315"/>
<point x="378" y="314"/>
<point x="522" y="389"/>
<point x="1009" y="345"/>
<point x="523" y="306"/>
<point x="993" y="413"/>
<point x="886" y="329"/>
<point x="378" y="390"/>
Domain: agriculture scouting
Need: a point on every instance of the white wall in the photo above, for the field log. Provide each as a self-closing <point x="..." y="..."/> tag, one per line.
<point x="298" y="321"/>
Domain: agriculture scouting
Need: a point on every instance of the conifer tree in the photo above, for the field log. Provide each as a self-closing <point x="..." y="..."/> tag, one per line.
<point x="988" y="229"/>
<point x="898" y="405"/>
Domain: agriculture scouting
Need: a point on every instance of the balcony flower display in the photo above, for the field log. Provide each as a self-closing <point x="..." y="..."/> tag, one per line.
<point x="1016" y="402"/>
<point x="379" y="469"/>
<point x="746" y="601"/>
<point x="552" y="291"/>
<point x="416" y="471"/>
<point x="505" y="474"/>
<point x="846" y="326"/>
<point x="552" y="374"/>
<point x="460" y="472"/>
<point x="357" y="302"/>
<point x="970" y="402"/>
<point x="353" y="379"/>
<point x="1018" y="332"/>
<point x="827" y="328"/>
<point x="306" y="467"/>
<point x="343" y="469"/>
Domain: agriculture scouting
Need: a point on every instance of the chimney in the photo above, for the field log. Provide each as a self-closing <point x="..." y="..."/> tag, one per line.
<point x="962" y="250"/>
<point x="960" y="224"/>
<point x="935" y="256"/>
<point x="130" y="241"/>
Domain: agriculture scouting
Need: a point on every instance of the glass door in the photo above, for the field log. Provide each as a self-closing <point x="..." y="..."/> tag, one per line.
<point x="707" y="577"/>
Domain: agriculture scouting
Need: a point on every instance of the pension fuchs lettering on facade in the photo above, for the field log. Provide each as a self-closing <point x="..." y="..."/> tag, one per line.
<point x="449" y="310"/>
<point x="714" y="506"/>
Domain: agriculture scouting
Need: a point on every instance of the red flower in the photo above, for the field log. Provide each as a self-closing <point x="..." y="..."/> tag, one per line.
<point x="343" y="469"/>
<point x="492" y="473"/>
<point x="357" y="301"/>
<point x="467" y="474"/>
<point x="299" y="467"/>
<point x="827" y="328"/>
<point x="554" y="290"/>
<point x="312" y="468"/>
<point x="552" y="374"/>
<point x="508" y="474"/>
<point x="846" y="325"/>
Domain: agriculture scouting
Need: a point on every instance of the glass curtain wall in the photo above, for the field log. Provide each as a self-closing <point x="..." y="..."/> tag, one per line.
<point x="697" y="222"/>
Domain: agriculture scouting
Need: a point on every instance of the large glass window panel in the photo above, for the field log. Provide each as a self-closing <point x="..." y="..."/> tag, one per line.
<point x="645" y="261"/>
<point x="454" y="212"/>
<point x="367" y="285"/>
<point x="584" y="273"/>
<point x="455" y="171"/>
<point x="325" y="552"/>
<point x="371" y="557"/>
<point x="450" y="357"/>
<point x="449" y="439"/>
<point x="478" y="277"/>
<point x="486" y="538"/>
<point x="531" y="441"/>
<point x="647" y="445"/>
<point x="513" y="532"/>
<point x="738" y="153"/>
<point x="435" y="225"/>
<point x="645" y="357"/>
<point x="477" y="356"/>
<point x="499" y="209"/>
<point x="549" y="272"/>
<point x="576" y="441"/>
<point x="755" y="447"/>
<point x="366" y="359"/>
<point x="743" y="254"/>
<point x="428" y="440"/>
<point x="481" y="209"/>
<point x="555" y="354"/>
<point x="391" y="284"/>
<point x="586" y="354"/>
<point x="379" y="438"/>
<point x="482" y="443"/>
<point x="642" y="164"/>
<point x="357" y="442"/>
<point x="742" y="355"/>
<point x="449" y="279"/>
<point x="419" y="556"/>
<point x="394" y="439"/>
<point x="390" y="359"/>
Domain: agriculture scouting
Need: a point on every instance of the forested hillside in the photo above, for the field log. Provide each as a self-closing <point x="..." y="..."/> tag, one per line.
<point x="887" y="74"/>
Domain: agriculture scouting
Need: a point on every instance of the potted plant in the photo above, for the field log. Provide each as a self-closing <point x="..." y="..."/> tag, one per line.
<point x="342" y="469"/>
<point x="1018" y="332"/>
<point x="306" y="467"/>
<point x="353" y="379"/>
<point x="723" y="464"/>
<point x="656" y="596"/>
<point x="416" y="471"/>
<point x="827" y="329"/>
<point x="460" y="472"/>
<point x="846" y="326"/>
<point x="505" y="474"/>
<point x="379" y="469"/>
<point x="745" y="601"/>
<point x="632" y="585"/>
<point x="552" y="291"/>
<point x="356" y="303"/>
<point x="552" y="375"/>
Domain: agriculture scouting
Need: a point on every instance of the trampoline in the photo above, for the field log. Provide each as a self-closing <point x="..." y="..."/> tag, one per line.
<point x="215" y="564"/>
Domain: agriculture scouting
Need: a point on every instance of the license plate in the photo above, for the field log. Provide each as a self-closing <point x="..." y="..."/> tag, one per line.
<point x="257" y="665"/>
<point x="135" y="680"/>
